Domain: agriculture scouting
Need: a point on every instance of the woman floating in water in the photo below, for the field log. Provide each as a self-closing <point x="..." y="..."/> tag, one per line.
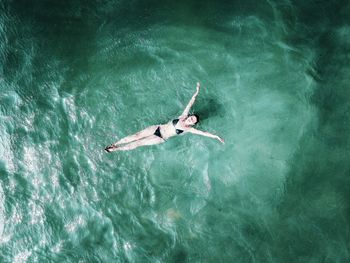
<point x="160" y="133"/>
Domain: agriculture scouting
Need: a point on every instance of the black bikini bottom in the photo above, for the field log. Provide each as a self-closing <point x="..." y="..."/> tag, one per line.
<point x="157" y="132"/>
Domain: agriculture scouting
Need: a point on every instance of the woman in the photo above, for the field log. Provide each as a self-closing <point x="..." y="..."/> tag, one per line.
<point x="160" y="133"/>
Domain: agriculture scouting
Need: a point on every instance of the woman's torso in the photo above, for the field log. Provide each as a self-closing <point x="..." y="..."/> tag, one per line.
<point x="172" y="128"/>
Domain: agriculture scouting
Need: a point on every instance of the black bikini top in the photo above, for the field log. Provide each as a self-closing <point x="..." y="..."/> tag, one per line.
<point x="178" y="131"/>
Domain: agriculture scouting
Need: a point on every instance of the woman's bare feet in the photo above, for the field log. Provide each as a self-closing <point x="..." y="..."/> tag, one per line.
<point x="111" y="148"/>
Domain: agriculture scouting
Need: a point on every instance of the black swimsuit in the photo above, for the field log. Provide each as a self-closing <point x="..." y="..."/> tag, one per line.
<point x="178" y="131"/>
<point x="157" y="132"/>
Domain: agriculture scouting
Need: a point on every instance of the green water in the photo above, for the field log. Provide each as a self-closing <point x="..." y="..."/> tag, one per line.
<point x="77" y="76"/>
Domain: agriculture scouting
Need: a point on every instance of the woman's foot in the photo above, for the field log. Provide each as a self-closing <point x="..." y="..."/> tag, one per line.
<point x="111" y="148"/>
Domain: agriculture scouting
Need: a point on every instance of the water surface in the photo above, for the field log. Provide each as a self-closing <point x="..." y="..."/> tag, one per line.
<point x="75" y="77"/>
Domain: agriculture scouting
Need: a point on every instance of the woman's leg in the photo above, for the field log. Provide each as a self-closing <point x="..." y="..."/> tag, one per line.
<point x="137" y="136"/>
<point x="151" y="140"/>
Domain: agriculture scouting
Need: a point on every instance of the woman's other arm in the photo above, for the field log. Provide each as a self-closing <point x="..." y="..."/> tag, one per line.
<point x="189" y="105"/>
<point x="207" y="134"/>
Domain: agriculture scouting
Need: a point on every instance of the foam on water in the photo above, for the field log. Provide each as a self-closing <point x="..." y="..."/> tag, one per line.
<point x="2" y="214"/>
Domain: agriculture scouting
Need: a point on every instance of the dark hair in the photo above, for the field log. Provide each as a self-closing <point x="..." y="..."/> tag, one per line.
<point x="197" y="117"/>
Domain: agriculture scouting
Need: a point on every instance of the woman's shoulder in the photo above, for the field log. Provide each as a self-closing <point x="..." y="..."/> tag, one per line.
<point x="181" y="118"/>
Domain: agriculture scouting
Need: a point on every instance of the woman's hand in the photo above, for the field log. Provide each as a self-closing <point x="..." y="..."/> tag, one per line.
<point x="220" y="139"/>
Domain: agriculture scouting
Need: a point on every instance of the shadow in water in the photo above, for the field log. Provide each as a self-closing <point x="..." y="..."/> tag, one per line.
<point x="207" y="109"/>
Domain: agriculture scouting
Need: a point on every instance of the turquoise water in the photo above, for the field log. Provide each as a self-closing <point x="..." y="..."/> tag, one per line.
<point x="77" y="76"/>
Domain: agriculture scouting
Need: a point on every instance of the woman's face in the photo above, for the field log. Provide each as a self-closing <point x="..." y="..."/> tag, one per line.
<point x="191" y="120"/>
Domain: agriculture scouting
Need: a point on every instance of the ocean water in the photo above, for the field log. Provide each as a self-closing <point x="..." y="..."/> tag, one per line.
<point x="76" y="76"/>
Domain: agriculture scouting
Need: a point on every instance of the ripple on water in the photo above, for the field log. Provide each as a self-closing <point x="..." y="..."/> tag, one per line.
<point x="22" y="256"/>
<point x="9" y="103"/>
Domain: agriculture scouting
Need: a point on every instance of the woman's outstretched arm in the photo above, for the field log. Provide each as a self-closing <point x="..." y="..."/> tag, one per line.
<point x="207" y="134"/>
<point x="189" y="105"/>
